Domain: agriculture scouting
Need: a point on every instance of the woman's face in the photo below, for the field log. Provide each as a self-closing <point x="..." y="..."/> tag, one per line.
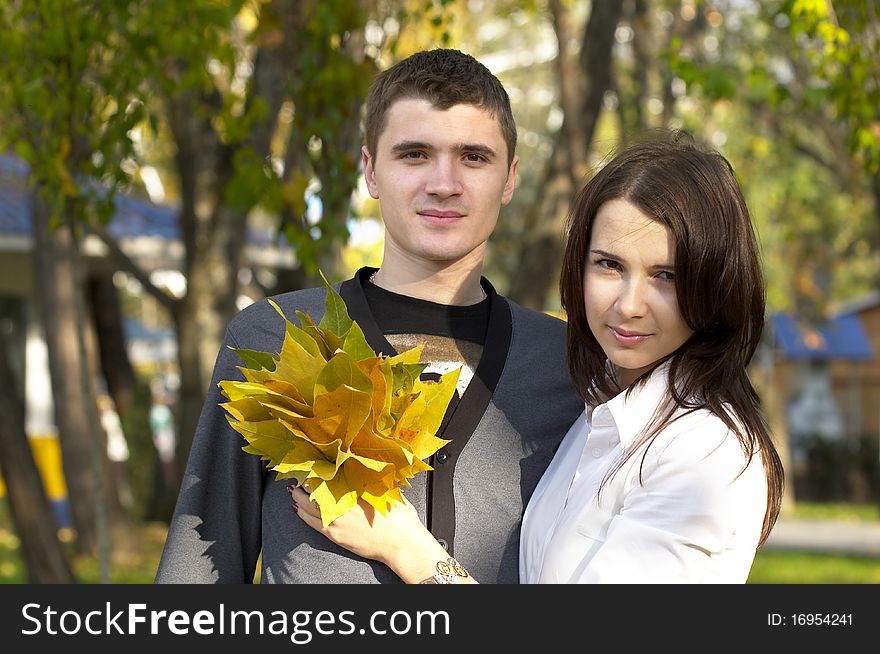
<point x="629" y="290"/>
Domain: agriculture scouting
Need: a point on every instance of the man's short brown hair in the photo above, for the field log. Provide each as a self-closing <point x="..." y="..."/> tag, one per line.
<point x="444" y="78"/>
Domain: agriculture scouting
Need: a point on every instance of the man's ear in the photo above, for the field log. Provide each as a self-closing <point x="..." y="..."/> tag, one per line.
<point x="369" y="173"/>
<point x="510" y="184"/>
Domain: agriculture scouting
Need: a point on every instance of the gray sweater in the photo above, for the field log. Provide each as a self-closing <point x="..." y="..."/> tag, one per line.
<point x="504" y="432"/>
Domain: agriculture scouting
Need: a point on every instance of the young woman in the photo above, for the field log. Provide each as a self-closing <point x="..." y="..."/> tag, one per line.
<point x="670" y="475"/>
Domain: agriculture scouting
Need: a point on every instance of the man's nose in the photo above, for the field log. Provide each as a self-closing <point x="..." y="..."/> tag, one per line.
<point x="444" y="180"/>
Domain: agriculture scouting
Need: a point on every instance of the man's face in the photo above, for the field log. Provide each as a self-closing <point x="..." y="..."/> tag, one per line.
<point x="440" y="176"/>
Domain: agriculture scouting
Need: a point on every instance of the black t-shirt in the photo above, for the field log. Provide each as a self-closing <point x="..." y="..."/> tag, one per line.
<point x="452" y="336"/>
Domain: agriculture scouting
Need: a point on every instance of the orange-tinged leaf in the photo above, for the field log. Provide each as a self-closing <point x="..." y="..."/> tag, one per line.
<point x="321" y="433"/>
<point x="286" y="403"/>
<point x="285" y="388"/>
<point x="351" y="406"/>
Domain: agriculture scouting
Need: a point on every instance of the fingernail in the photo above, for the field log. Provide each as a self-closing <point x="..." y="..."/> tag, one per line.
<point x="296" y="507"/>
<point x="290" y="488"/>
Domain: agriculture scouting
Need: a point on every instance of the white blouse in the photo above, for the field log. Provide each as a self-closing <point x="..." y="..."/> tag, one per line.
<point x="691" y="518"/>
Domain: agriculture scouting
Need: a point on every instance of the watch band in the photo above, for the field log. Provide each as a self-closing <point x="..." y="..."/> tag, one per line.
<point x="448" y="572"/>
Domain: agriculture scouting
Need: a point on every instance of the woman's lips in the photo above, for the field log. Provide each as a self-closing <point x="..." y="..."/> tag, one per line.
<point x="626" y="337"/>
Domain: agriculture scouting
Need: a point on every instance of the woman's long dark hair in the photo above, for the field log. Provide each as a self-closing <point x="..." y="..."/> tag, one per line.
<point x="719" y="285"/>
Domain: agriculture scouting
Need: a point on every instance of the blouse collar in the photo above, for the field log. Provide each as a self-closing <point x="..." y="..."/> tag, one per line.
<point x="631" y="411"/>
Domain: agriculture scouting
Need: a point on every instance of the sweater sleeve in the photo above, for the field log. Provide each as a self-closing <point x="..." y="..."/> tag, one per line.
<point x="215" y="536"/>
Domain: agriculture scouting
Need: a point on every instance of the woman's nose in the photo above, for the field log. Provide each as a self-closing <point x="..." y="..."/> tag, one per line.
<point x="631" y="300"/>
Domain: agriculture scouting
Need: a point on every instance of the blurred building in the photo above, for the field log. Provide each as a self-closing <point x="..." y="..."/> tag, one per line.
<point x="828" y="376"/>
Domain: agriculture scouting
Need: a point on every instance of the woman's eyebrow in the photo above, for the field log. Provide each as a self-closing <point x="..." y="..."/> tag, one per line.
<point x="609" y="255"/>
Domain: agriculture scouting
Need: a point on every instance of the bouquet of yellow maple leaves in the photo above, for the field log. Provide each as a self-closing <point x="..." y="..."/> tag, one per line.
<point x="330" y="413"/>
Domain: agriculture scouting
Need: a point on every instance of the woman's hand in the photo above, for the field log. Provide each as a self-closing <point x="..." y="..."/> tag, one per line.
<point x="398" y="539"/>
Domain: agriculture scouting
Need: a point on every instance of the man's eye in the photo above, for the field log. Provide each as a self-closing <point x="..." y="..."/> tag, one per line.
<point x="415" y="154"/>
<point x="473" y="157"/>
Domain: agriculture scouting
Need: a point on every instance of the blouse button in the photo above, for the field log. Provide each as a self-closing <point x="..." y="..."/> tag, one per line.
<point x="597" y="452"/>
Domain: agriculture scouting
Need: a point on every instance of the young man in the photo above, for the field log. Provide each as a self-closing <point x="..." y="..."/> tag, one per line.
<point x="440" y="158"/>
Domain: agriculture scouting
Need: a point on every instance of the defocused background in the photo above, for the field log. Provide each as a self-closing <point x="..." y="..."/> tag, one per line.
<point x="165" y="164"/>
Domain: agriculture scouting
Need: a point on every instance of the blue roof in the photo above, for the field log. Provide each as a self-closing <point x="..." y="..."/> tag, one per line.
<point x="840" y="337"/>
<point x="133" y="217"/>
<point x="15" y="215"/>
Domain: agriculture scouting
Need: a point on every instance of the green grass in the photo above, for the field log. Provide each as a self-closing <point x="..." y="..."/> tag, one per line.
<point x="135" y="554"/>
<point x="778" y="567"/>
<point x="836" y="511"/>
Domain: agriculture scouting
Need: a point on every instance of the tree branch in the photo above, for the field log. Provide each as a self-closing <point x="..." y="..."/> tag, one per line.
<point x="127" y="264"/>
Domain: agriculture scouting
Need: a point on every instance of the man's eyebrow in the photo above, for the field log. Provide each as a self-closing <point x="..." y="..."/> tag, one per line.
<point x="478" y="148"/>
<point x="405" y="146"/>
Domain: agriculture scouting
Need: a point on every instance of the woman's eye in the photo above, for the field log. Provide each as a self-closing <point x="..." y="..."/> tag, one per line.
<point x="608" y="264"/>
<point x="666" y="276"/>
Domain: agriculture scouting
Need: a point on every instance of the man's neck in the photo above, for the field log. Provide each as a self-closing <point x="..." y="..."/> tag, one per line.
<point x="442" y="282"/>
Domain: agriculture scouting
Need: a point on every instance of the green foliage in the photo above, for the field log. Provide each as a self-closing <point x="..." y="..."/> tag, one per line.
<point x="785" y="96"/>
<point x="69" y="96"/>
<point x="840" y="42"/>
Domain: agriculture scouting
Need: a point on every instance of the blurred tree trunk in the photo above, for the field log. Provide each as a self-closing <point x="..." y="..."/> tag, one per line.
<point x="110" y="337"/>
<point x="214" y="230"/>
<point x="582" y="86"/>
<point x="32" y="516"/>
<point x="55" y="257"/>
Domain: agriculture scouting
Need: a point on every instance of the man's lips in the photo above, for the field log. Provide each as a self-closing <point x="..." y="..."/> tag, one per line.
<point x="627" y="337"/>
<point x="440" y="215"/>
